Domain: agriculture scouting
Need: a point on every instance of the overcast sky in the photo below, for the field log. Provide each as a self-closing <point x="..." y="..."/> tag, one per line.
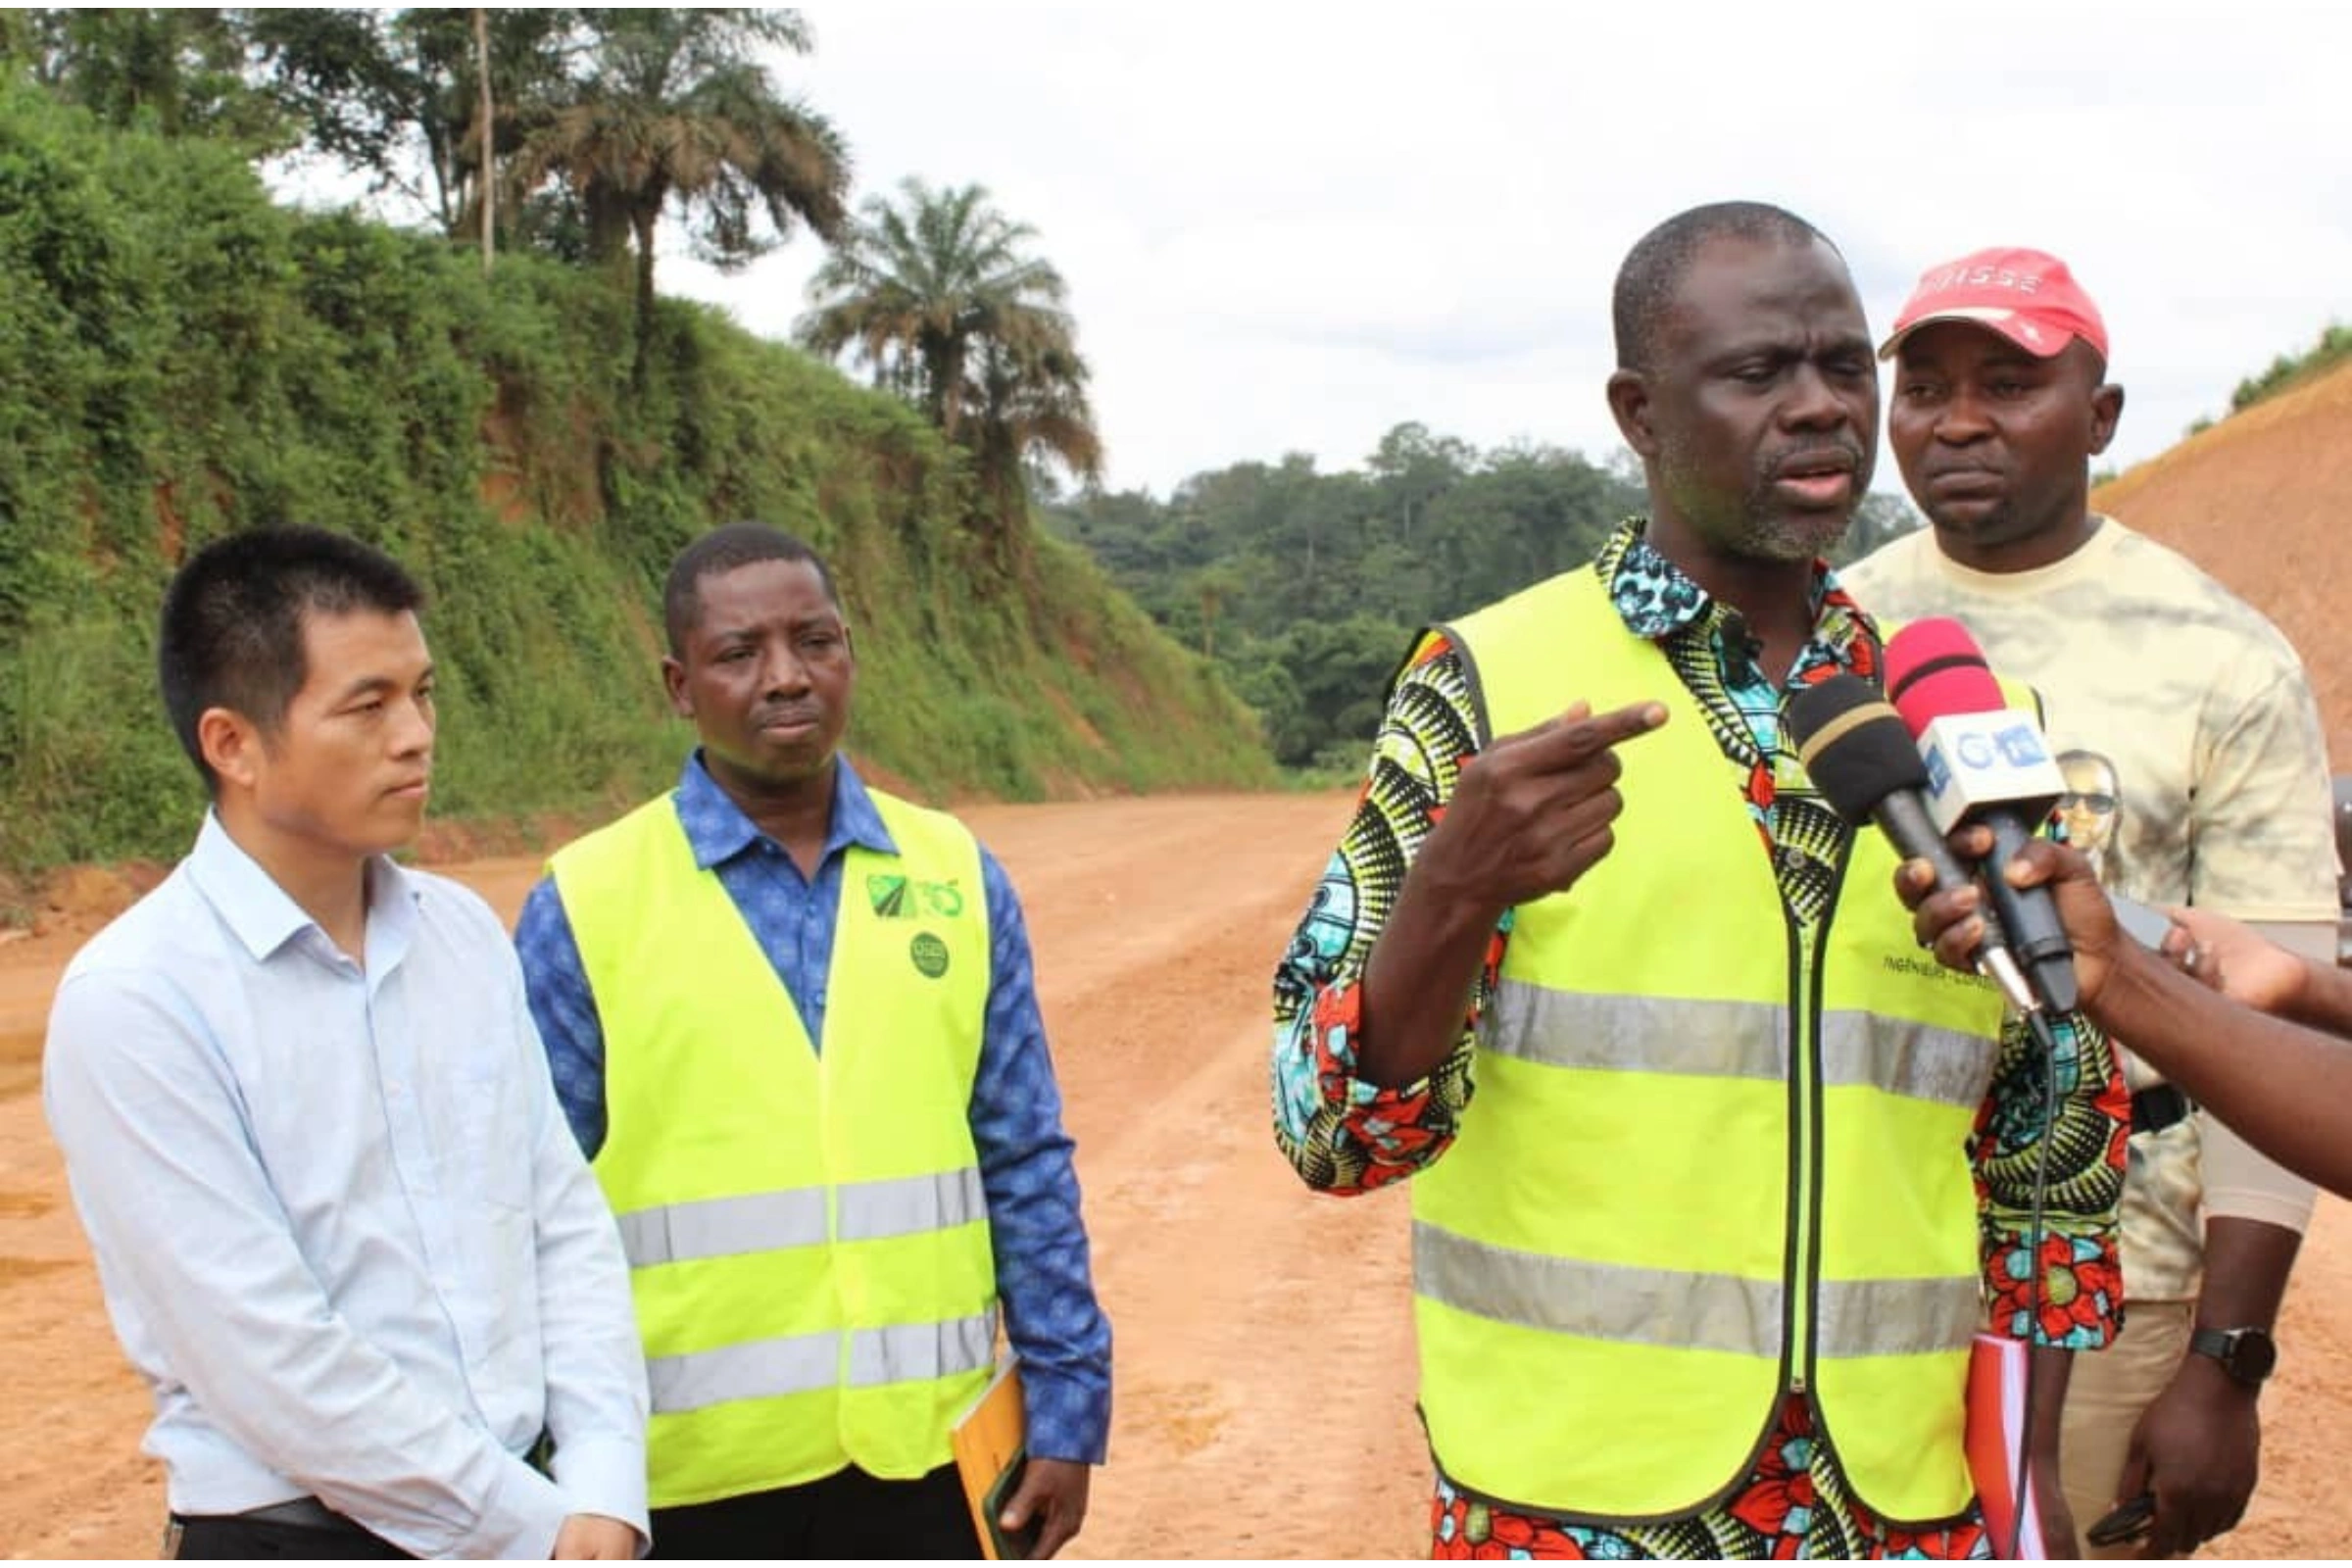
<point x="1289" y="228"/>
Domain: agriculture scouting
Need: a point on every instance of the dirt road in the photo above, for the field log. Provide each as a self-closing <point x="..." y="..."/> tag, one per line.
<point x="1264" y="1402"/>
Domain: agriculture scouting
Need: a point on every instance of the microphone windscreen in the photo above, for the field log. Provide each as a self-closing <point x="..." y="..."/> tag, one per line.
<point x="1934" y="669"/>
<point x="1854" y="745"/>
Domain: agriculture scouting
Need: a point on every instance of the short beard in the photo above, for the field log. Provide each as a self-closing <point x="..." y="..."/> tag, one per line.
<point x="1764" y="537"/>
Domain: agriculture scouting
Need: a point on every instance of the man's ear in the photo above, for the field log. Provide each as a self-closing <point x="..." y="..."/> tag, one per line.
<point x="673" y="681"/>
<point x="2106" y="411"/>
<point x="1629" y="401"/>
<point x="232" y="746"/>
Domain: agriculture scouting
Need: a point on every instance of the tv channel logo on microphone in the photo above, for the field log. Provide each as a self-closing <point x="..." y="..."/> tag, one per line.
<point x="1979" y="759"/>
<point x="2021" y="746"/>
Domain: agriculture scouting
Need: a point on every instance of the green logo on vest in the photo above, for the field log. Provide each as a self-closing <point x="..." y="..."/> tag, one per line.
<point x="899" y="898"/>
<point x="930" y="954"/>
<point x="889" y="896"/>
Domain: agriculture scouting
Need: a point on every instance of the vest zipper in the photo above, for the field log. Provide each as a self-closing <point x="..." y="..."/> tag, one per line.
<point x="1803" y="1157"/>
<point x="1808" y="984"/>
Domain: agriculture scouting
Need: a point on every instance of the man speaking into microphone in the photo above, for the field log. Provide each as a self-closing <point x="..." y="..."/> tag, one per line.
<point x="2198" y="744"/>
<point x="1711" y="1168"/>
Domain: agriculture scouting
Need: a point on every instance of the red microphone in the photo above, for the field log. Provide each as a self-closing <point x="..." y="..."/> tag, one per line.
<point x="1987" y="764"/>
<point x="1933" y="667"/>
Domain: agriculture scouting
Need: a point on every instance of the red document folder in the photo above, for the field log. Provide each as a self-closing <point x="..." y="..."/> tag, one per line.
<point x="1996" y="1415"/>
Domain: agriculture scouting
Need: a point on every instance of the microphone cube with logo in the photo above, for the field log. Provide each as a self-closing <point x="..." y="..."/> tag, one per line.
<point x="1993" y="759"/>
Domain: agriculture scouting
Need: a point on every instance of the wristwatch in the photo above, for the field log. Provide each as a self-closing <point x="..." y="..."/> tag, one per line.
<point x="2246" y="1354"/>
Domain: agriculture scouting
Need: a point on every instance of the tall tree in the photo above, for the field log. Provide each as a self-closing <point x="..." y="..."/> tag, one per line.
<point x="674" y="106"/>
<point x="937" y="295"/>
<point x="486" y="133"/>
<point x="399" y="96"/>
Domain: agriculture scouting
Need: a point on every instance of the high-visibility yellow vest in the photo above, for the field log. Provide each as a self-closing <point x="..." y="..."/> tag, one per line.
<point x="1709" y="1157"/>
<point x="807" y="1233"/>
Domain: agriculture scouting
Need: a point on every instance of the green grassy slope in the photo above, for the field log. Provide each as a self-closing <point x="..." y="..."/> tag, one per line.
<point x="180" y="357"/>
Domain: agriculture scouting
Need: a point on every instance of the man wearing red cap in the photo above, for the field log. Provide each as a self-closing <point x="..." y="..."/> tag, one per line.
<point x="2201" y="711"/>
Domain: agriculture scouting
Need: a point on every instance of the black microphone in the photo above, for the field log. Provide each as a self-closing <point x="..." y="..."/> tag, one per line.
<point x="1862" y="758"/>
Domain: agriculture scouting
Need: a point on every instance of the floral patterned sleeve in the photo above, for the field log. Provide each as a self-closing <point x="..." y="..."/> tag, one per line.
<point x="2081" y="1306"/>
<point x="1344" y="1135"/>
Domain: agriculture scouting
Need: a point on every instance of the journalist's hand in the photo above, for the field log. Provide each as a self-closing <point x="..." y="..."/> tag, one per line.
<point x="1952" y="922"/>
<point x="2234" y="960"/>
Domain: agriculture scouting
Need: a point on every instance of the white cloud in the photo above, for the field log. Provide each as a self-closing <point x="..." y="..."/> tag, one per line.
<point x="1288" y="229"/>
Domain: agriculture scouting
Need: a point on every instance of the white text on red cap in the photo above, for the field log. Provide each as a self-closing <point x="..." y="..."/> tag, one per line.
<point x="1975" y="276"/>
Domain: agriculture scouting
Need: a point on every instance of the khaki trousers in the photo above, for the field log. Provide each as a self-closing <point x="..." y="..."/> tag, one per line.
<point x="2106" y="1393"/>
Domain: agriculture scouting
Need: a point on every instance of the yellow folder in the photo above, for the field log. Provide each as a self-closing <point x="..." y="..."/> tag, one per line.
<point x="991" y="1447"/>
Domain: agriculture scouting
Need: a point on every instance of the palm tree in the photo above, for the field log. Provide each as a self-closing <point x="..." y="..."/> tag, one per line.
<point x="938" y="297"/>
<point x="673" y="105"/>
<point x="1032" y="405"/>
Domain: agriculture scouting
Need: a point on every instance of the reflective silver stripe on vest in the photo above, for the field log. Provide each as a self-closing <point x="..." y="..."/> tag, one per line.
<point x="1597" y="1301"/>
<point x="765" y="1369"/>
<point x="1698" y="1311"/>
<point x="757" y="1370"/>
<point x="724" y="1227"/>
<point x="913" y="1351"/>
<point x="762" y="1222"/>
<point x="909" y="1205"/>
<point x="1898" y="1317"/>
<point x="1637" y="1034"/>
<point x="1918" y="1061"/>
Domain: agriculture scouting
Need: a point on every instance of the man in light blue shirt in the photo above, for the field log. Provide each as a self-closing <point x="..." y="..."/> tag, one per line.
<point x="342" y="1227"/>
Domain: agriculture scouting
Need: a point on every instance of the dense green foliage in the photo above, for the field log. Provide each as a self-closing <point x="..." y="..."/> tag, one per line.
<point x="182" y="70"/>
<point x="1307" y="588"/>
<point x="573" y="130"/>
<point x="180" y="357"/>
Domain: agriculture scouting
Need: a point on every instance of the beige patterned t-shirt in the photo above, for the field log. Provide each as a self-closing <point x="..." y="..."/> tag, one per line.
<point x="2197" y="773"/>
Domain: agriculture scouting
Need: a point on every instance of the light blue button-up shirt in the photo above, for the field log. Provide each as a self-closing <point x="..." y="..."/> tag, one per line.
<point x="342" y="1227"/>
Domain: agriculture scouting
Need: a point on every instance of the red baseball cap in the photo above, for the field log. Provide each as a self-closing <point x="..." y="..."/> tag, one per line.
<point x="2029" y="297"/>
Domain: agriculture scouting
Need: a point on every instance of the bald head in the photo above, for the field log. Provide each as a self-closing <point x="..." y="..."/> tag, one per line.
<point x="1653" y="269"/>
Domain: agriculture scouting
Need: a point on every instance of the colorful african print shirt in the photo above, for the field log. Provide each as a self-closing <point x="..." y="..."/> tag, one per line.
<point x="1346" y="1135"/>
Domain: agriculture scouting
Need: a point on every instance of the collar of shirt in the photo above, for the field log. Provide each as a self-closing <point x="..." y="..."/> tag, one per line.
<point x="1659" y="601"/>
<point x="264" y="917"/>
<point x="719" y="831"/>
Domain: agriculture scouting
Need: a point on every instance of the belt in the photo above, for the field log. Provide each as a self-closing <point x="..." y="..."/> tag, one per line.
<point x="2158" y="1106"/>
<point x="306" y="1513"/>
<point x="309" y="1513"/>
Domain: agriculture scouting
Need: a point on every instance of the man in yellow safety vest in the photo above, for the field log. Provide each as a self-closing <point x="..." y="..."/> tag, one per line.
<point x="793" y="1021"/>
<point x="1698" y="1266"/>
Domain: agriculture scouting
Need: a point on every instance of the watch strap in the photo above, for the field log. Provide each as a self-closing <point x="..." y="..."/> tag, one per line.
<point x="2228" y="1346"/>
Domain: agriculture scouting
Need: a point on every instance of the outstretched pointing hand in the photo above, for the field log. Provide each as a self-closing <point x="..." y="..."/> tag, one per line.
<point x="1532" y="813"/>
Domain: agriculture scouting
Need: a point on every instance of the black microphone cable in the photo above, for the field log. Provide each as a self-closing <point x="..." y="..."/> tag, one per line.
<point x="1861" y="757"/>
<point x="2038" y="1296"/>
